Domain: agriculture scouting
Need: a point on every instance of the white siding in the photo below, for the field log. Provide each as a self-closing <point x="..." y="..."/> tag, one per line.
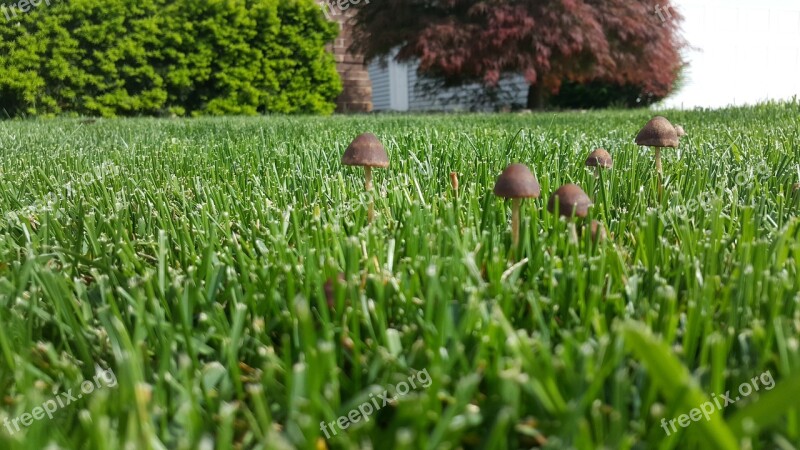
<point x="381" y="96"/>
<point x="398" y="74"/>
<point x="515" y="91"/>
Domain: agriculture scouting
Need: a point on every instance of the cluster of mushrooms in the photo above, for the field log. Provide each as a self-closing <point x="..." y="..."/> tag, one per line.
<point x="518" y="183"/>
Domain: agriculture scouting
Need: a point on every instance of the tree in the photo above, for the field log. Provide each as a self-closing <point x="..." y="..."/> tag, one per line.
<point x="620" y="42"/>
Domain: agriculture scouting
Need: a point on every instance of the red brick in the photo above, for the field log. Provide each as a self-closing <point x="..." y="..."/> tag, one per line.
<point x="357" y="88"/>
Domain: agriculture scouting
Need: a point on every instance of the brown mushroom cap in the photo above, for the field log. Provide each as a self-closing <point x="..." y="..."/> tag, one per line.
<point x="680" y="131"/>
<point x="600" y="158"/>
<point x="330" y="288"/>
<point x="517" y="181"/>
<point x="796" y="187"/>
<point x="366" y="151"/>
<point x="658" y="133"/>
<point x="598" y="231"/>
<point x="572" y="201"/>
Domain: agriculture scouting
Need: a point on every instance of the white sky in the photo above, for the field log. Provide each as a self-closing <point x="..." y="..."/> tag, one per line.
<point x="745" y="51"/>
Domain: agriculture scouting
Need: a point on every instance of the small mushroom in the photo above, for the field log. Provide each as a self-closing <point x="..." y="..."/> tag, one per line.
<point x="681" y="132"/>
<point x="571" y="201"/>
<point x="599" y="159"/>
<point x="368" y="152"/>
<point x="796" y="187"/>
<point x="330" y="288"/>
<point x="598" y="231"/>
<point x="517" y="183"/>
<point x="658" y="133"/>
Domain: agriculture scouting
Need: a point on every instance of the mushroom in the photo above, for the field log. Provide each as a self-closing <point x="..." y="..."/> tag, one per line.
<point x="571" y="201"/>
<point x="598" y="231"/>
<point x="681" y="132"/>
<point x="330" y="288"/>
<point x="599" y="159"/>
<point x="368" y="152"/>
<point x="517" y="183"/>
<point x="658" y="133"/>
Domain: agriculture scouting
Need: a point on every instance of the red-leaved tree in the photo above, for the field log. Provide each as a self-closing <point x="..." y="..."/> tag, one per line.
<point x="622" y="42"/>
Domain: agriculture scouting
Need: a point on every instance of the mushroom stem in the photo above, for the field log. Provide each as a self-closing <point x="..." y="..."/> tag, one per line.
<point x="658" y="161"/>
<point x="368" y="188"/>
<point x="515" y="205"/>
<point x="605" y="197"/>
<point x="659" y="173"/>
<point x="368" y="178"/>
<point x="371" y="211"/>
<point x="573" y="232"/>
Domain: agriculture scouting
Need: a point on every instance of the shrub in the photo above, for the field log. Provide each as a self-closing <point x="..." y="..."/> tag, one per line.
<point x="600" y="94"/>
<point x="156" y="57"/>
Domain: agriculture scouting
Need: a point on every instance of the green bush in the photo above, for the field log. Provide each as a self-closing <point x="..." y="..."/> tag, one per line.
<point x="160" y="57"/>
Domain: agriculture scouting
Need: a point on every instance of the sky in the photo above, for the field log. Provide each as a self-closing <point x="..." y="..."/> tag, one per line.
<point x="743" y="52"/>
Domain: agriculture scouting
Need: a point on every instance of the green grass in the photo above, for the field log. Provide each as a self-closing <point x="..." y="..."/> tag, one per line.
<point x="190" y="257"/>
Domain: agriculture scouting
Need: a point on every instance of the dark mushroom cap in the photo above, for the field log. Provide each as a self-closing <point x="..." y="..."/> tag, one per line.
<point x="600" y="158"/>
<point x="330" y="288"/>
<point x="572" y="201"/>
<point x="598" y="231"/>
<point x="658" y="133"/>
<point x="680" y="131"/>
<point x="366" y="151"/>
<point x="517" y="181"/>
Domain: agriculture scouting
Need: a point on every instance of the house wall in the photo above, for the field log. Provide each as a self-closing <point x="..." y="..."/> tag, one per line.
<point x="390" y="86"/>
<point x="388" y="80"/>
<point x="381" y="87"/>
<point x="513" y="91"/>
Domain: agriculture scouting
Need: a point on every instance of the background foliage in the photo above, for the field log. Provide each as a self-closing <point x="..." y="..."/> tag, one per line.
<point x="614" y="42"/>
<point x="159" y="57"/>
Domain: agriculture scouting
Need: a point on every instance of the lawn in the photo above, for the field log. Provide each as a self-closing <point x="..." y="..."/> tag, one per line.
<point x="216" y="283"/>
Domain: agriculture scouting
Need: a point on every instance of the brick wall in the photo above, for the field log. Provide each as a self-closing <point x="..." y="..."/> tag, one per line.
<point x="357" y="93"/>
